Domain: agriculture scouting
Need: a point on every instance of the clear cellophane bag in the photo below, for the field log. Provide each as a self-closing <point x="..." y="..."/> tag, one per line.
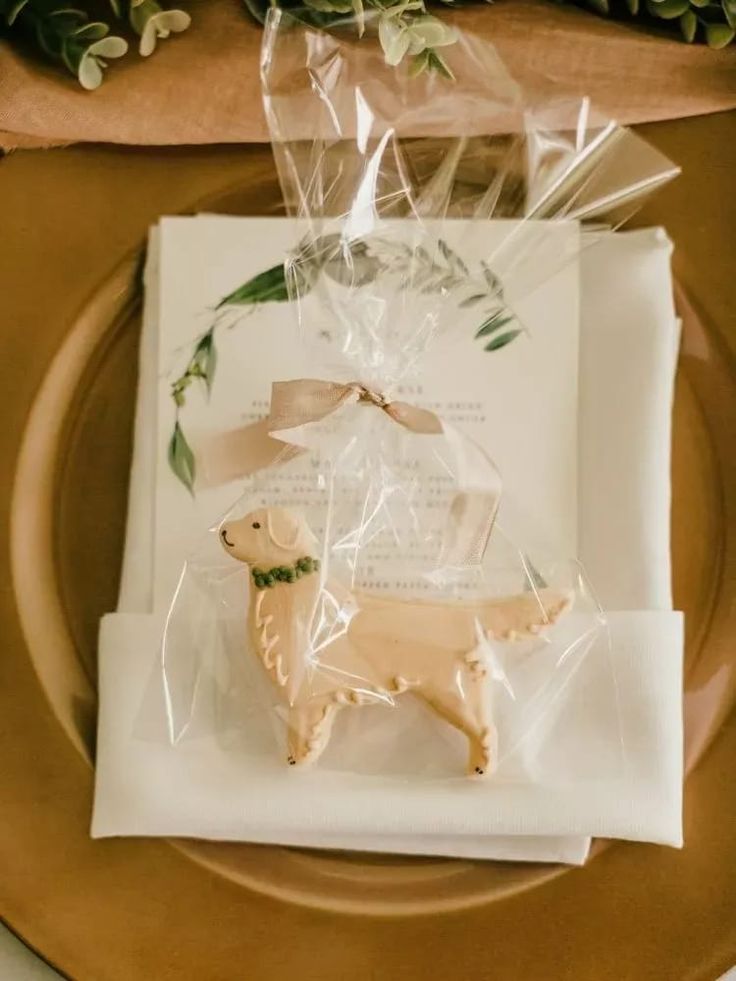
<point x="361" y="606"/>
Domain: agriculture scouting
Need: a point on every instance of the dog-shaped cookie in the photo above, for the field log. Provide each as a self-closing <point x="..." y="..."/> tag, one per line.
<point x="379" y="647"/>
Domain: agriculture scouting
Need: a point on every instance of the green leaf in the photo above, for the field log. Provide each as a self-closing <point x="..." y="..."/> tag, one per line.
<point x="600" y="6"/>
<point x="357" y="6"/>
<point x="699" y="3"/>
<point x="688" y="25"/>
<point x="729" y="11"/>
<point x="89" y="74"/>
<point x="668" y="9"/>
<point x="470" y="301"/>
<point x="14" y="10"/>
<point x="108" y="47"/>
<point x="181" y="458"/>
<point x="719" y="35"/>
<point x="91" y="32"/>
<point x="494" y="283"/>
<point x="498" y="342"/>
<point x="66" y="20"/>
<point x="268" y="286"/>
<point x="494" y="323"/>
<point x="430" y="32"/>
<point x="633" y="6"/>
<point x="71" y="55"/>
<point x="394" y="38"/>
<point x="205" y="359"/>
<point x="452" y="257"/>
<point x="435" y="62"/>
<point x="354" y="267"/>
<point x="445" y="249"/>
<point x="418" y="64"/>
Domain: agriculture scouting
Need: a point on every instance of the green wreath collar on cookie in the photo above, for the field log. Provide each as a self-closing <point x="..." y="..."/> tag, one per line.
<point x="263" y="579"/>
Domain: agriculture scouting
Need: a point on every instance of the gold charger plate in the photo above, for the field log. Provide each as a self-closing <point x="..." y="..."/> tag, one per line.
<point x="128" y="909"/>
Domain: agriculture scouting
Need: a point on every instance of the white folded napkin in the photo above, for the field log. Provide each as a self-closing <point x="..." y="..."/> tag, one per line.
<point x="229" y="788"/>
<point x="628" y="351"/>
<point x="629" y="340"/>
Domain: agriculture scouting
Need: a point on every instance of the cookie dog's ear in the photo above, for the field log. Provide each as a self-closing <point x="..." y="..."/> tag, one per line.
<point x="283" y="528"/>
<point x="288" y="530"/>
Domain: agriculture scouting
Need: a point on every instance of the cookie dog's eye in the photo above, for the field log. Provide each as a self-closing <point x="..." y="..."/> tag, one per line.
<point x="256" y="525"/>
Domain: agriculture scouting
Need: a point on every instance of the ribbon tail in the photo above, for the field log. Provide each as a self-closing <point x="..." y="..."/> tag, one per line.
<point x="416" y="420"/>
<point x="241" y="452"/>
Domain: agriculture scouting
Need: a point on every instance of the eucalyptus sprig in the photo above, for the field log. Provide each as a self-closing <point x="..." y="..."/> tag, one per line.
<point x="408" y="30"/>
<point x="201" y="365"/>
<point x="83" y="44"/>
<point x="712" y="20"/>
<point x="417" y="270"/>
<point x="405" y="27"/>
<point x="66" y="35"/>
<point x="151" y="21"/>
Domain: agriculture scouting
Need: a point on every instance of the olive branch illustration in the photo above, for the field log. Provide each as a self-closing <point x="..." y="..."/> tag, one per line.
<point x="363" y="262"/>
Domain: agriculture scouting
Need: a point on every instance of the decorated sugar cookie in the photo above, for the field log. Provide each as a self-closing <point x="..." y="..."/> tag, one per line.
<point x="387" y="647"/>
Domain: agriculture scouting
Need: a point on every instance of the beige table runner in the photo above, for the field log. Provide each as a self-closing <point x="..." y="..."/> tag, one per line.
<point x="203" y="86"/>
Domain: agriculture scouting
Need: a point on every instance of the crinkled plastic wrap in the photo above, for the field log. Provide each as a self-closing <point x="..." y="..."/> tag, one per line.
<point x="359" y="607"/>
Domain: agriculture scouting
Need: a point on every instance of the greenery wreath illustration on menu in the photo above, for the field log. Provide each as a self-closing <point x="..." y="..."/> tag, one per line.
<point x="417" y="269"/>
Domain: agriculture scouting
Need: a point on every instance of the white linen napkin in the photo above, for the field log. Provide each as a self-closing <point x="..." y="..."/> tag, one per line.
<point x="230" y="789"/>
<point x="624" y="482"/>
<point x="629" y="341"/>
